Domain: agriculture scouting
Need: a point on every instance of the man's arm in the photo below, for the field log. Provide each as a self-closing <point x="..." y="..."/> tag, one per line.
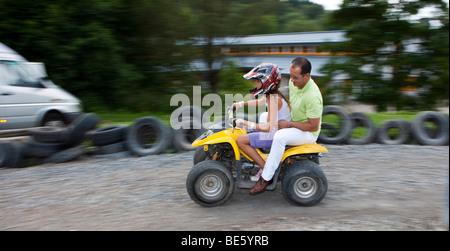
<point x="311" y="125"/>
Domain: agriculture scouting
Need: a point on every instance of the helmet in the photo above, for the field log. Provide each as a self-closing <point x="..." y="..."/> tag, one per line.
<point x="270" y="77"/>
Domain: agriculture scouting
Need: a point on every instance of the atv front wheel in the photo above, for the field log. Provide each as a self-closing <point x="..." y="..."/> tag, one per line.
<point x="210" y="183"/>
<point x="304" y="183"/>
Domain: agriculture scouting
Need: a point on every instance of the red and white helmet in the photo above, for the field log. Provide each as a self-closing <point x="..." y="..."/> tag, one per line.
<point x="270" y="77"/>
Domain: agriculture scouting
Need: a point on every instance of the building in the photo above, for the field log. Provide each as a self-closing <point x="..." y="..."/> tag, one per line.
<point x="249" y="51"/>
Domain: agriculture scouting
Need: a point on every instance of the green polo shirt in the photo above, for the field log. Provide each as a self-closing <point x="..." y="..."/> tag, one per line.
<point x="306" y="103"/>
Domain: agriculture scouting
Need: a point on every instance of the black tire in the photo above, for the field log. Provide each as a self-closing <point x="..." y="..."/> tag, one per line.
<point x="112" y="148"/>
<point x="345" y="126"/>
<point x="109" y="135"/>
<point x="50" y="134"/>
<point x="80" y="127"/>
<point x="42" y="150"/>
<point x="4" y="152"/>
<point x="183" y="138"/>
<point x="210" y="183"/>
<point x="147" y="136"/>
<point x="14" y="154"/>
<point x="199" y="155"/>
<point x="65" y="155"/>
<point x="434" y="137"/>
<point x="304" y="183"/>
<point x="361" y="120"/>
<point x="404" y="132"/>
<point x="188" y="113"/>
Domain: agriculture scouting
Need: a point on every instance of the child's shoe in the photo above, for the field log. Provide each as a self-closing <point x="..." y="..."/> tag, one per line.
<point x="256" y="176"/>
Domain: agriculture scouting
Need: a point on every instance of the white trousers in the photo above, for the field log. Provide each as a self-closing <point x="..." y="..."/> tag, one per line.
<point x="282" y="138"/>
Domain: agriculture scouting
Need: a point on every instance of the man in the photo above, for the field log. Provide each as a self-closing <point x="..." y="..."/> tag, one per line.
<point x="306" y="112"/>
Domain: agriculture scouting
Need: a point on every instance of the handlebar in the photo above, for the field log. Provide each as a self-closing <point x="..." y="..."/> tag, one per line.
<point x="231" y="121"/>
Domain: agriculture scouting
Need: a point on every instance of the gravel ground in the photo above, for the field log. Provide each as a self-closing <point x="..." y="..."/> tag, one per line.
<point x="370" y="187"/>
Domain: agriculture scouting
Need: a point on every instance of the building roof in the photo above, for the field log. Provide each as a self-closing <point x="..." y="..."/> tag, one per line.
<point x="317" y="37"/>
<point x="283" y="61"/>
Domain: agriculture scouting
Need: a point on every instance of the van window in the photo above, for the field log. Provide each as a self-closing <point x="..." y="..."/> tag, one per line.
<point x="14" y="74"/>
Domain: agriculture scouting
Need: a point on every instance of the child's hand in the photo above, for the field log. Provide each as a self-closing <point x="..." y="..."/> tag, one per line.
<point x="238" y="104"/>
<point x="283" y="124"/>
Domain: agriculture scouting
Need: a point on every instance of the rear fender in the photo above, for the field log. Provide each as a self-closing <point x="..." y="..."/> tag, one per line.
<point x="304" y="149"/>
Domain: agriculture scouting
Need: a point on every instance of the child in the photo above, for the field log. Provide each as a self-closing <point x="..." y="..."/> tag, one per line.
<point x="266" y="78"/>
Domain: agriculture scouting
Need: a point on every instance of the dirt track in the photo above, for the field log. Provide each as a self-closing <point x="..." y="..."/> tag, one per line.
<point x="370" y="187"/>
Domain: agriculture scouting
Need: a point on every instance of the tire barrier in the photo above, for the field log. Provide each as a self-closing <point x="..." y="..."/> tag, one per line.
<point x="394" y="132"/>
<point x="339" y="131"/>
<point x="430" y="128"/>
<point x="149" y="135"/>
<point x="109" y="135"/>
<point x="427" y="128"/>
<point x="183" y="138"/>
<point x="11" y="154"/>
<point x="190" y="120"/>
<point x="360" y="120"/>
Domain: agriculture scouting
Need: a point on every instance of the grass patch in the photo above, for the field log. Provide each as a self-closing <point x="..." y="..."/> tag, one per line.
<point x="379" y="118"/>
<point x="114" y="118"/>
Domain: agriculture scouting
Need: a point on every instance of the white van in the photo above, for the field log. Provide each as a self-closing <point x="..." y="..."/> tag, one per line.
<point x="28" y="98"/>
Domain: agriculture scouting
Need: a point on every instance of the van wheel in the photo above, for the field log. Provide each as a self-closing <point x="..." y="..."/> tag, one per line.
<point x="210" y="183"/>
<point x="304" y="183"/>
<point x="55" y="119"/>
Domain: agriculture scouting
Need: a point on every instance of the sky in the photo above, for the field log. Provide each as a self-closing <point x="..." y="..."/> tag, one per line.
<point x="328" y="4"/>
<point x="334" y="4"/>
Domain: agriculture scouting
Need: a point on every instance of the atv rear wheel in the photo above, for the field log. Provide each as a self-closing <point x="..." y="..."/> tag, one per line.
<point x="304" y="183"/>
<point x="210" y="183"/>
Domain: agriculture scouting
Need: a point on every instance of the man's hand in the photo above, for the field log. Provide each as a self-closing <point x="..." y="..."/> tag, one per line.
<point x="240" y="123"/>
<point x="283" y="124"/>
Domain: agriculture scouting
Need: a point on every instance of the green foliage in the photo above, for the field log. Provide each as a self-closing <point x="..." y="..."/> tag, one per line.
<point x="128" y="54"/>
<point x="390" y="52"/>
<point x="232" y="80"/>
<point x="134" y="54"/>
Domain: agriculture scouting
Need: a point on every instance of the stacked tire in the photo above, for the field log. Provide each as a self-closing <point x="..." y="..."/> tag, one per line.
<point x="189" y="127"/>
<point x="339" y="130"/>
<point x="431" y="128"/>
<point x="57" y="145"/>
<point x="147" y="136"/>
<point x="11" y="154"/>
<point x="427" y="128"/>
<point x="49" y="144"/>
<point x="110" y="139"/>
<point x="394" y="132"/>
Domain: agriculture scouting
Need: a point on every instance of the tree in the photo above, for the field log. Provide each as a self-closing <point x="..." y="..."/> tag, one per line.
<point x="78" y="43"/>
<point x="388" y="51"/>
<point x="134" y="54"/>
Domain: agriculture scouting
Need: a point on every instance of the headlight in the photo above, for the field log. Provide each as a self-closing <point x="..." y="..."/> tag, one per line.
<point x="205" y="135"/>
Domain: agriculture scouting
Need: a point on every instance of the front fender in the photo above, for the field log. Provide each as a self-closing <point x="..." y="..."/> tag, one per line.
<point x="225" y="136"/>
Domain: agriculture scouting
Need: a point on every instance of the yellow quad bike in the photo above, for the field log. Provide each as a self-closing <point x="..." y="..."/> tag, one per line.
<point x="219" y="164"/>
